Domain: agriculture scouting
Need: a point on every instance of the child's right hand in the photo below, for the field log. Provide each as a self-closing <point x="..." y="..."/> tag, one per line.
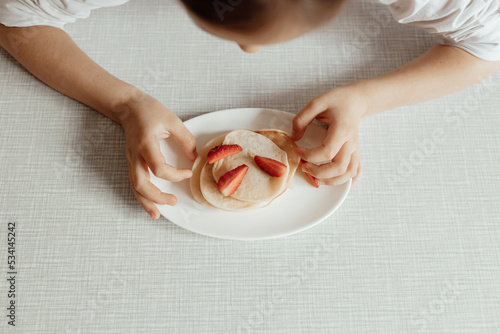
<point x="145" y="122"/>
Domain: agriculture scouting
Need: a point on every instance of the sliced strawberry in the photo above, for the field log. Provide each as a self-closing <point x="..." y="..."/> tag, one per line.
<point x="312" y="179"/>
<point x="230" y="181"/>
<point x="222" y="151"/>
<point x="309" y="176"/>
<point x="270" y="166"/>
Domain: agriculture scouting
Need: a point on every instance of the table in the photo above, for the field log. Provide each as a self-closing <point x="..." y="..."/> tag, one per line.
<point x="413" y="249"/>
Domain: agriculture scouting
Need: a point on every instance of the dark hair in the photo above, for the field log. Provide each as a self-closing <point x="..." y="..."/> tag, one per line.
<point x="251" y="14"/>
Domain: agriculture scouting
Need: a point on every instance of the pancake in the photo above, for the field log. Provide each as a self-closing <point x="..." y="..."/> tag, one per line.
<point x="257" y="189"/>
<point x="198" y="165"/>
<point x="213" y="196"/>
<point x="283" y="140"/>
<point x="257" y="185"/>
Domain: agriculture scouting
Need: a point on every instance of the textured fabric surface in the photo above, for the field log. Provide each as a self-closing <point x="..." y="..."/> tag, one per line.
<point x="414" y="249"/>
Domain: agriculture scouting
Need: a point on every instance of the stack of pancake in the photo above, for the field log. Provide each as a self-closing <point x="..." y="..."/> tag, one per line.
<point x="244" y="169"/>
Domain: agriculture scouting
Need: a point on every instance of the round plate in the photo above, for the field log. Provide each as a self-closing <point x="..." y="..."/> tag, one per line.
<point x="299" y="208"/>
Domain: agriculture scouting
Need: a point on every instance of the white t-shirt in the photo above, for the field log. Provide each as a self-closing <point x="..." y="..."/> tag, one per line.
<point x="55" y="13"/>
<point x="472" y="25"/>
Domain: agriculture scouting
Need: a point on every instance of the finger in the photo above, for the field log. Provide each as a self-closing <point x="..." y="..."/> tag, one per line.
<point x="357" y="178"/>
<point x="139" y="179"/>
<point x="154" y="159"/>
<point x="305" y="117"/>
<point x="351" y="171"/>
<point x="330" y="147"/>
<point x="185" y="140"/>
<point x="335" y="168"/>
<point x="148" y="205"/>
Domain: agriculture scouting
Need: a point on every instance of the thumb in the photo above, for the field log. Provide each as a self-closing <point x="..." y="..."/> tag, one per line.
<point x="305" y="117"/>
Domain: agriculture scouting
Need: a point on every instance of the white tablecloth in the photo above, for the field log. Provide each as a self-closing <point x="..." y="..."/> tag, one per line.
<point x="414" y="249"/>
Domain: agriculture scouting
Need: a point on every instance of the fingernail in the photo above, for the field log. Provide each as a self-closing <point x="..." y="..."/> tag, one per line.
<point x="152" y="214"/>
<point x="189" y="174"/>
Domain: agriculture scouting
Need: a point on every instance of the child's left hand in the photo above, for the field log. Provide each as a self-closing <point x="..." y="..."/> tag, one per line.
<point x="341" y="109"/>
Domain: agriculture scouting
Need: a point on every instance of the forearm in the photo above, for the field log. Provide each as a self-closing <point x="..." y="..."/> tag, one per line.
<point x="441" y="70"/>
<point x="52" y="56"/>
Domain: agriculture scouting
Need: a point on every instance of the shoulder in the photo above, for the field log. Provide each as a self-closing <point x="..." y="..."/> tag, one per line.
<point x="427" y="10"/>
<point x="469" y="24"/>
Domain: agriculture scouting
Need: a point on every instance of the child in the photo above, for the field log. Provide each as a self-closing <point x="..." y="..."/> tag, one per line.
<point x="31" y="31"/>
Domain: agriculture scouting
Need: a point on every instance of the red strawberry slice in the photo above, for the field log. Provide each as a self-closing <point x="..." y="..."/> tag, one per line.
<point x="230" y="181"/>
<point x="270" y="166"/>
<point x="222" y="151"/>
<point x="309" y="176"/>
<point x="312" y="179"/>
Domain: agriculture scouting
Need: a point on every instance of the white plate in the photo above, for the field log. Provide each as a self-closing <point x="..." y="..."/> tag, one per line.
<point x="299" y="208"/>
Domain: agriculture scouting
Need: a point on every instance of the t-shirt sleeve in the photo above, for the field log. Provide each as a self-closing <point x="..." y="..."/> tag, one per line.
<point x="471" y="25"/>
<point x="55" y="13"/>
<point x="14" y="13"/>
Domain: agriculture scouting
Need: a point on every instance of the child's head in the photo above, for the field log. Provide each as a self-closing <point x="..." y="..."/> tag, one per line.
<point x="252" y="23"/>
